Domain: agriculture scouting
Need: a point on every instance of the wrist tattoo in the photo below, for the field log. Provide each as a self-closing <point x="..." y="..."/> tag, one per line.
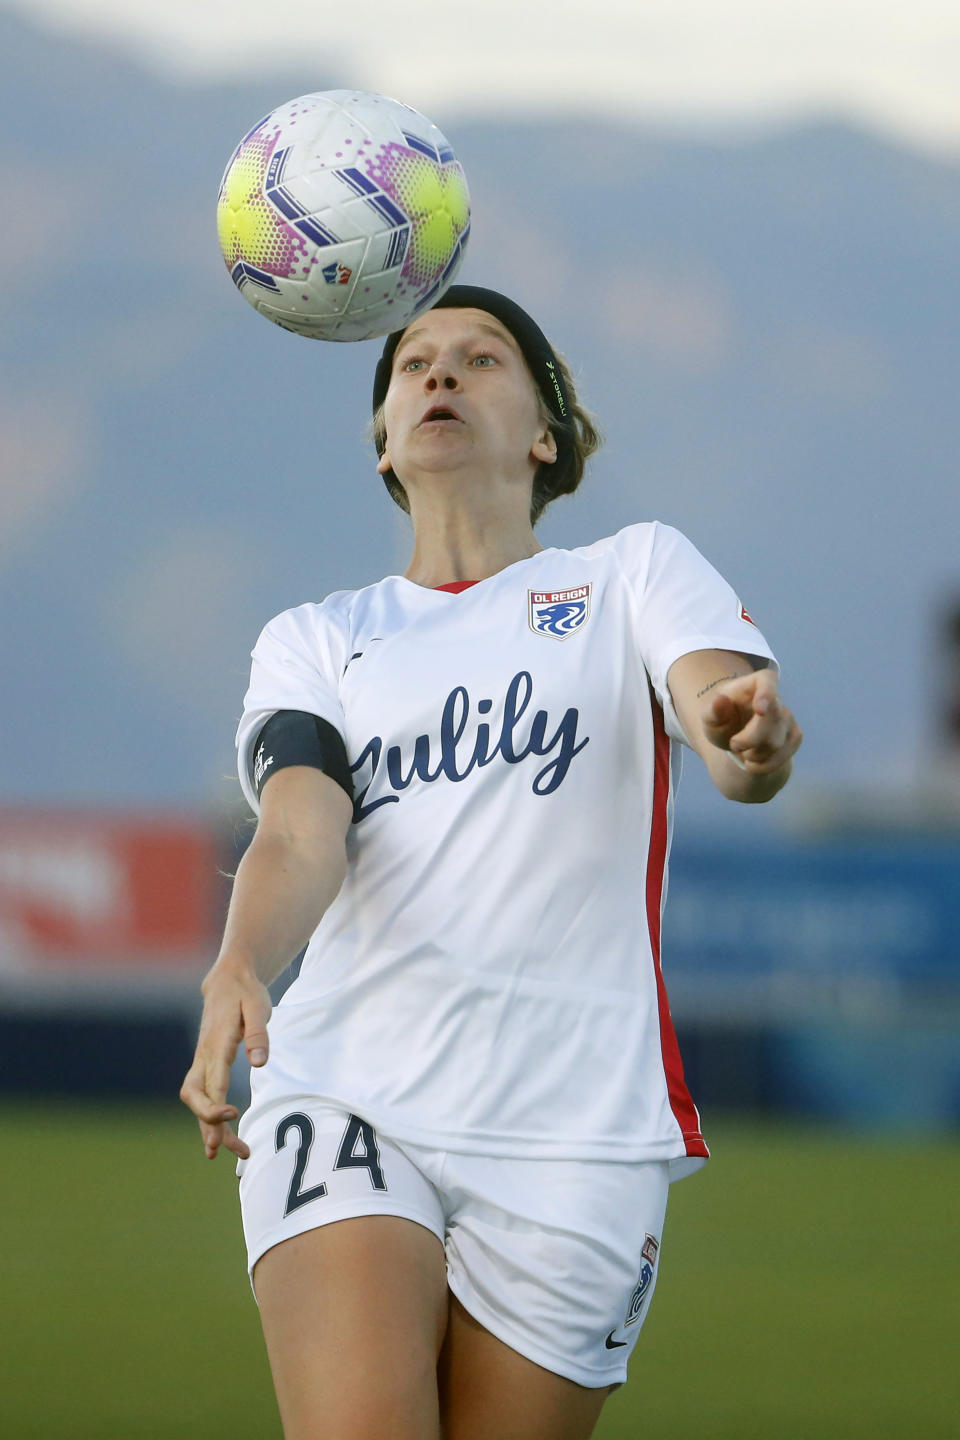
<point x="716" y="682"/>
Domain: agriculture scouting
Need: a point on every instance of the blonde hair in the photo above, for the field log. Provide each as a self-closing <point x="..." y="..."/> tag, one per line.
<point x="579" y="430"/>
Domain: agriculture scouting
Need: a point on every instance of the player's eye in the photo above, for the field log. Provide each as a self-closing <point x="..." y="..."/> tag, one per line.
<point x="412" y="363"/>
<point x="484" y="361"/>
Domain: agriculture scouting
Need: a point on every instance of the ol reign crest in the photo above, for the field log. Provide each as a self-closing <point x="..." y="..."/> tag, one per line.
<point x="559" y="613"/>
<point x="649" y="1252"/>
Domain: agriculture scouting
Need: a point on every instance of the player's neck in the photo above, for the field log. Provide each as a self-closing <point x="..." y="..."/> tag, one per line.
<point x="453" y="545"/>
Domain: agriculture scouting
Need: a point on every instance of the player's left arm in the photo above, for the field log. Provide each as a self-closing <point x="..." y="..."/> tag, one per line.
<point x="736" y="721"/>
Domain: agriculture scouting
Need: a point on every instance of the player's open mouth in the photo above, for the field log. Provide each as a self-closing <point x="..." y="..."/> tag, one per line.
<point x="441" y="413"/>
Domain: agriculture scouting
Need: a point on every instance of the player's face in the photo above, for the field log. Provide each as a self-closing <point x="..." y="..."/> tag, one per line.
<point x="461" y="397"/>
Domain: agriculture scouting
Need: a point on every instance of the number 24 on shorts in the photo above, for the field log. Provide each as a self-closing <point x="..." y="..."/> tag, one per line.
<point x="357" y="1134"/>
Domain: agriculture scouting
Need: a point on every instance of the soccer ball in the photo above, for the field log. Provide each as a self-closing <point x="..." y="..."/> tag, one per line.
<point x="342" y="215"/>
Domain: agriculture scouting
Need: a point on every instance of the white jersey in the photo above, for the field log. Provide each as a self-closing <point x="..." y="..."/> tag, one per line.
<point x="488" y="979"/>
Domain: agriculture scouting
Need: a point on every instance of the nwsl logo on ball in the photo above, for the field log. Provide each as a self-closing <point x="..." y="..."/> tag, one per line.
<point x="558" y="613"/>
<point x="336" y="274"/>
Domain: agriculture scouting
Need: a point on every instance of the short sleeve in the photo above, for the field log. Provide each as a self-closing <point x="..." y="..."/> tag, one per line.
<point x="684" y="605"/>
<point x="296" y="666"/>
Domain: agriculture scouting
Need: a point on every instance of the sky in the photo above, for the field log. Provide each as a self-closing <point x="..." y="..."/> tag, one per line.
<point x="893" y="66"/>
<point x="700" y="323"/>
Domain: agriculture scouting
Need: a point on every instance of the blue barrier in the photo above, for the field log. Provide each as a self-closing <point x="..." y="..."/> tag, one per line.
<point x="885" y="909"/>
<point x="844" y="955"/>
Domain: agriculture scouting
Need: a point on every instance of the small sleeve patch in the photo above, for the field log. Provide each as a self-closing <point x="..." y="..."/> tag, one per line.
<point x="741" y="611"/>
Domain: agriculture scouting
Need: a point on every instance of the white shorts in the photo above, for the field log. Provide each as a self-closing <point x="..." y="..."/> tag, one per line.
<point x="557" y="1258"/>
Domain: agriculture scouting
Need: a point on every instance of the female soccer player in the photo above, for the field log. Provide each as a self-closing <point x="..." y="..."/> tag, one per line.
<point x="467" y="1109"/>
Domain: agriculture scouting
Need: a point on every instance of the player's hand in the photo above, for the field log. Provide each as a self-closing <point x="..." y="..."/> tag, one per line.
<point x="747" y="717"/>
<point x="236" y="1007"/>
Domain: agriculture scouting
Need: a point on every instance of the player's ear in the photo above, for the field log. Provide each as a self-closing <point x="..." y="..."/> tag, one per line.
<point x="383" y="464"/>
<point x="544" y="448"/>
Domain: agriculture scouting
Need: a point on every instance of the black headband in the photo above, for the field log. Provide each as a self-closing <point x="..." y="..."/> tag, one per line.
<point x="534" y="346"/>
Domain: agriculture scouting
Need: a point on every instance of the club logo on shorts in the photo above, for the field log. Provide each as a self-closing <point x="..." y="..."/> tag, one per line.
<point x="649" y="1253"/>
<point x="558" y="613"/>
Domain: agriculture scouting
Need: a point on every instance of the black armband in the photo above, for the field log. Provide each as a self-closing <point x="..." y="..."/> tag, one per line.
<point x="295" y="737"/>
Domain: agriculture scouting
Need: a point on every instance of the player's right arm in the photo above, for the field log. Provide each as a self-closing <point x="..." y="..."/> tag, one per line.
<point x="291" y="872"/>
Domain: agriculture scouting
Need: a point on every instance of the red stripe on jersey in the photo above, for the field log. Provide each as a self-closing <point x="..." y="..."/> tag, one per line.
<point x="684" y="1110"/>
<point x="456" y="586"/>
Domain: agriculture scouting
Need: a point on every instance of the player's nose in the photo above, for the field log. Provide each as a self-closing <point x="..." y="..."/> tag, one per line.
<point x="441" y="376"/>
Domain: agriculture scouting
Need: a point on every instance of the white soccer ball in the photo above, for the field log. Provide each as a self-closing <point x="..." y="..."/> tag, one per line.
<point x="342" y="215"/>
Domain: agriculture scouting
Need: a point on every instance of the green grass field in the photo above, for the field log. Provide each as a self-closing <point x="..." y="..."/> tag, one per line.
<point x="808" y="1289"/>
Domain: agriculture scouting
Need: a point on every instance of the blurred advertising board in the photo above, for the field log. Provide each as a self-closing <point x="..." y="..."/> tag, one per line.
<point x="791" y="929"/>
<point x="833" y="967"/>
<point x="98" y="904"/>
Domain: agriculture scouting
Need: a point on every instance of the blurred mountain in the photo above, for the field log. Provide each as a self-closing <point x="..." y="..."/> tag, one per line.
<point x="766" y="325"/>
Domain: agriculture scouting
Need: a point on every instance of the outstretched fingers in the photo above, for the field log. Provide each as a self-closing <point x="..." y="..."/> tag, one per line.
<point x="765" y="747"/>
<point x="236" y="1007"/>
<point x="204" y="1092"/>
<point x="748" y="718"/>
<point x="764" y="731"/>
<point x="734" y="704"/>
